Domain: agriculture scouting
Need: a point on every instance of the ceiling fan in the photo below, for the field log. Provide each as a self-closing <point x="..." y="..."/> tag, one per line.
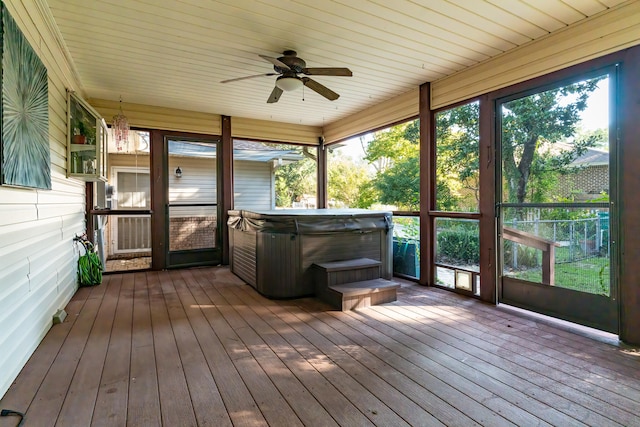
<point x="287" y="67"/>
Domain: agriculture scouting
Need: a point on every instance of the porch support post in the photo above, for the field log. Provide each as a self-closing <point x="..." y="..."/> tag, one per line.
<point x="427" y="185"/>
<point x="88" y="207"/>
<point x="321" y="201"/>
<point x="488" y="188"/>
<point x="159" y="184"/>
<point x="627" y="246"/>
<point x="226" y="166"/>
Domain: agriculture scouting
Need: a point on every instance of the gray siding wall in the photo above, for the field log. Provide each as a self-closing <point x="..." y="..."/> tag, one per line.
<point x="37" y="255"/>
<point x="253" y="187"/>
<point x="197" y="185"/>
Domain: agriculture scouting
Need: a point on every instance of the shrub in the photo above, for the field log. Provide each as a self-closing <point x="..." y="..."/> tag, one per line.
<point x="458" y="245"/>
<point x="527" y="257"/>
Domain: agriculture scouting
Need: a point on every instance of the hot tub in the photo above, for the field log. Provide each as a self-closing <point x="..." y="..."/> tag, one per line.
<point x="274" y="250"/>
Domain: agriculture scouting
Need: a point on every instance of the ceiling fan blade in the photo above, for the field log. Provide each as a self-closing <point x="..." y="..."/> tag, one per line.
<point x="321" y="89"/>
<point x="275" y="62"/>
<point x="328" y="72"/>
<point x="275" y="95"/>
<point x="249" y="77"/>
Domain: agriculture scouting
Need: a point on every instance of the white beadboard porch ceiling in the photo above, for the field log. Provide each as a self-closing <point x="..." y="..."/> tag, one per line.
<point x="174" y="53"/>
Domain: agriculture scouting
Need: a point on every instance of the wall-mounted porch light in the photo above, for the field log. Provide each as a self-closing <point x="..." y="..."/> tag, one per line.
<point x="178" y="172"/>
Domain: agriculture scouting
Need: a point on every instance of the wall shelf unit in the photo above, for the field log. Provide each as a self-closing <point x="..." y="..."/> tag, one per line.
<point x="86" y="141"/>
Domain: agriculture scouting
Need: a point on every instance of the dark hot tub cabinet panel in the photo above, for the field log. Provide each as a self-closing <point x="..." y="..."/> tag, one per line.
<point x="274" y="250"/>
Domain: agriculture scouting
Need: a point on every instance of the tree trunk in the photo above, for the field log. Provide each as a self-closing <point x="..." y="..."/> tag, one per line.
<point x="528" y="153"/>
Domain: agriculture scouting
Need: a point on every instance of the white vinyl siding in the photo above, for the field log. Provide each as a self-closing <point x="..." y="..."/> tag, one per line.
<point x="253" y="185"/>
<point x="37" y="254"/>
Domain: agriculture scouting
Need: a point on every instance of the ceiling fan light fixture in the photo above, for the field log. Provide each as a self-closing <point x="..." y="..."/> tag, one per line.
<point x="288" y="83"/>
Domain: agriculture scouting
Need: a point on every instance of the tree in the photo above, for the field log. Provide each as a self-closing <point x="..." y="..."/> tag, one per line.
<point x="295" y="179"/>
<point x="394" y="152"/>
<point x="388" y="146"/>
<point x="346" y="180"/>
<point x="457" y="151"/>
<point x="542" y="118"/>
<point x="399" y="185"/>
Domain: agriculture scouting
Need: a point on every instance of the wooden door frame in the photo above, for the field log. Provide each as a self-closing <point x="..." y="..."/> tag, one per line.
<point x="611" y="322"/>
<point x="159" y="188"/>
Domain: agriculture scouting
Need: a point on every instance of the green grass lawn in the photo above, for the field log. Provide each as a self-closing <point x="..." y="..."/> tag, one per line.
<point x="588" y="275"/>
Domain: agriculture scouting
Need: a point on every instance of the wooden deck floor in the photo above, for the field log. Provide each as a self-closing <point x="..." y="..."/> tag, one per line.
<point x="198" y="347"/>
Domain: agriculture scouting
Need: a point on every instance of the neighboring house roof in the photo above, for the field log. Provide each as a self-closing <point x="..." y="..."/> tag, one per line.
<point x="592" y="157"/>
<point x="242" y="150"/>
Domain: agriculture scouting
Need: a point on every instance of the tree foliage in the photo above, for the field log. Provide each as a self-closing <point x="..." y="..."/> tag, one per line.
<point x="295" y="179"/>
<point x="532" y="121"/>
<point x="395" y="153"/>
<point x="399" y="185"/>
<point x="457" y="151"/>
<point x="532" y="160"/>
<point x="348" y="182"/>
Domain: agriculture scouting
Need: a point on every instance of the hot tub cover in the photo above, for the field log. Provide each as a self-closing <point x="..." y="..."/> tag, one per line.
<point x="309" y="221"/>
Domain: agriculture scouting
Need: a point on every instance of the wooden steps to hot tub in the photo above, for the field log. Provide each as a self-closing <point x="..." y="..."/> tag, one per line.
<point x="354" y="283"/>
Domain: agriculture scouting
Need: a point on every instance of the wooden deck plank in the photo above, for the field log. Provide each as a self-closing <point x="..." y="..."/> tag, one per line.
<point x="273" y="405"/>
<point x="143" y="407"/>
<point x="208" y="348"/>
<point x="424" y="395"/>
<point x="500" y="368"/>
<point x="113" y="394"/>
<point x="47" y="402"/>
<point x="558" y="409"/>
<point x="305" y="406"/>
<point x="308" y="391"/>
<point x="239" y="402"/>
<point x="606" y="396"/>
<point x="80" y="399"/>
<point x="205" y="397"/>
<point x="547" y="348"/>
<point x="175" y="400"/>
<point x="308" y="337"/>
<point x="428" y="373"/>
<point x="421" y="351"/>
<point x="291" y="346"/>
<point x="582" y="349"/>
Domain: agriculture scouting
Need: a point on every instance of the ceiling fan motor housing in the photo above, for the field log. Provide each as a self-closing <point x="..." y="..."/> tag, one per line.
<point x="291" y="59"/>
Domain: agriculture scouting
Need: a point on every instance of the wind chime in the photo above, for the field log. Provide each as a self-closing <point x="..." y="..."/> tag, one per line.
<point x="121" y="129"/>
